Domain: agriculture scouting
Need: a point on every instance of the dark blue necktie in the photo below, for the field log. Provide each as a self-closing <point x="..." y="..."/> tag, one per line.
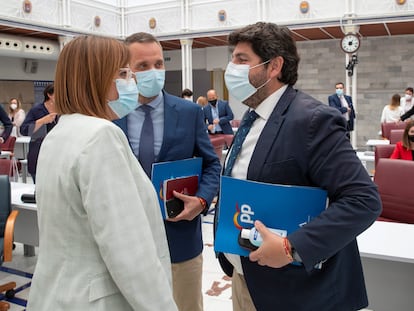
<point x="146" y="143"/>
<point x="239" y="138"/>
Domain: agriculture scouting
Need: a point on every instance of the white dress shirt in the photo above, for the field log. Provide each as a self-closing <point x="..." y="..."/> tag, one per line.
<point x="241" y="166"/>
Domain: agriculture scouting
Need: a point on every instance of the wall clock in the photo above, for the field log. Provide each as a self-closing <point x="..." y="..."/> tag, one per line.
<point x="350" y="43"/>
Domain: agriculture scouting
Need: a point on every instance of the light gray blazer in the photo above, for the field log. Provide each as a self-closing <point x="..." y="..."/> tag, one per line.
<point x="102" y="240"/>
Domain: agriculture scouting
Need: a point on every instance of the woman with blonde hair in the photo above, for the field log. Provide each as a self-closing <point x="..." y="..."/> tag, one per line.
<point x="393" y="111"/>
<point x="16" y="115"/>
<point x="101" y="235"/>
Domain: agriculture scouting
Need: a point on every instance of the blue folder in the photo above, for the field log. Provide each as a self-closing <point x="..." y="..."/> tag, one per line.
<point x="280" y="207"/>
<point x="163" y="171"/>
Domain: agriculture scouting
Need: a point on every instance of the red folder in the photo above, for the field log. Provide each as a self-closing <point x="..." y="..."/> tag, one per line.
<point x="187" y="185"/>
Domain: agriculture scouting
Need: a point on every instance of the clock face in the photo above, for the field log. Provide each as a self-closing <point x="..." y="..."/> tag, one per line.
<point x="350" y="43"/>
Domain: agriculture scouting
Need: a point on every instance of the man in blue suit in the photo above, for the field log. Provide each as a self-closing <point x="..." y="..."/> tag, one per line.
<point x="295" y="140"/>
<point x="218" y="114"/>
<point x="344" y="104"/>
<point x="179" y="132"/>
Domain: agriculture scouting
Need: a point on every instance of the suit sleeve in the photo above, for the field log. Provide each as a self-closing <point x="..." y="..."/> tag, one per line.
<point x="8" y="126"/>
<point x="408" y="114"/>
<point x="354" y="203"/>
<point x="228" y="114"/>
<point x="335" y="102"/>
<point x="210" y="178"/>
<point x="120" y="224"/>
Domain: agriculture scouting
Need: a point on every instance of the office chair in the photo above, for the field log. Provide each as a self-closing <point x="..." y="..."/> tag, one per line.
<point x="396" y="135"/>
<point x="383" y="151"/>
<point x="8" y="145"/>
<point x="7" y="220"/>
<point x="6" y="167"/>
<point x="394" y="180"/>
<point x="386" y="128"/>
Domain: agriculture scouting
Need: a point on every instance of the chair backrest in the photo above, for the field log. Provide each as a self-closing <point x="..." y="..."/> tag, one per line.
<point x="386" y="128"/>
<point x="396" y="135"/>
<point x="6" y="167"/>
<point x="394" y="179"/>
<point x="383" y="151"/>
<point x="8" y="145"/>
<point x="218" y="143"/>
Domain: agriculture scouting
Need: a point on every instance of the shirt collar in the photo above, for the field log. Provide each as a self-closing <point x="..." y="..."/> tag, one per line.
<point x="155" y="103"/>
<point x="265" y="109"/>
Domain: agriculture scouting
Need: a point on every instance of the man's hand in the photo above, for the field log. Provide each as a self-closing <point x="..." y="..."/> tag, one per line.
<point x="192" y="207"/>
<point x="272" y="252"/>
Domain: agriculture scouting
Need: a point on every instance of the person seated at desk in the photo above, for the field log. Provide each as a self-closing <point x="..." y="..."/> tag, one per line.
<point x="392" y="111"/>
<point x="404" y="149"/>
<point x="39" y="121"/>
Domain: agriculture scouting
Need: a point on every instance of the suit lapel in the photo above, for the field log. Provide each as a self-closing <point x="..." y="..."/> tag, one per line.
<point x="170" y="125"/>
<point x="270" y="132"/>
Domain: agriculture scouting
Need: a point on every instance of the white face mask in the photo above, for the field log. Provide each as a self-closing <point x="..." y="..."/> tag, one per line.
<point x="13" y="106"/>
<point x="408" y="97"/>
<point x="237" y="80"/>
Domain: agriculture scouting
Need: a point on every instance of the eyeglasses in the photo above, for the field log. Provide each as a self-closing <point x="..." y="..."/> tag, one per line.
<point x="126" y="73"/>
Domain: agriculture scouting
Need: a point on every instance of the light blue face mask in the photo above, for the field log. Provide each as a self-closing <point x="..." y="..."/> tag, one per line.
<point x="150" y="82"/>
<point x="237" y="80"/>
<point x="128" y="97"/>
<point x="339" y="92"/>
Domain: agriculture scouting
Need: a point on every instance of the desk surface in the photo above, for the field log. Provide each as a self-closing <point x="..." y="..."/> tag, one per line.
<point x="17" y="189"/>
<point x="23" y="140"/>
<point x="388" y="241"/>
<point x="374" y="142"/>
<point x="5" y="154"/>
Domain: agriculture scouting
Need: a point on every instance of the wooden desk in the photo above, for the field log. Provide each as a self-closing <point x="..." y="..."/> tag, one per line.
<point x="26" y="229"/>
<point x="387" y="253"/>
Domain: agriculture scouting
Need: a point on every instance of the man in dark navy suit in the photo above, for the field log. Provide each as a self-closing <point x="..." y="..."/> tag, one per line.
<point x="344" y="104"/>
<point x="296" y="140"/>
<point x="218" y="114"/>
<point x="179" y="132"/>
<point x="6" y="126"/>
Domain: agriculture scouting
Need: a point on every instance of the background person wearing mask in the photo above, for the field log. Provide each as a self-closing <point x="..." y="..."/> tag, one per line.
<point x="177" y="130"/>
<point x="102" y="242"/>
<point x="295" y="140"/>
<point x="39" y="121"/>
<point x="16" y="115"/>
<point x="407" y="101"/>
<point x="404" y="149"/>
<point x="344" y="104"/>
<point x="218" y="114"/>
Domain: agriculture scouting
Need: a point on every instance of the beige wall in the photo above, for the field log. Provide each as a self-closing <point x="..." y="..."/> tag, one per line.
<point x="23" y="90"/>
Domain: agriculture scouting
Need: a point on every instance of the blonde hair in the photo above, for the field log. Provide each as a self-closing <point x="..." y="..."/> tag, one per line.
<point x="395" y="101"/>
<point x="84" y="74"/>
<point x="202" y="101"/>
